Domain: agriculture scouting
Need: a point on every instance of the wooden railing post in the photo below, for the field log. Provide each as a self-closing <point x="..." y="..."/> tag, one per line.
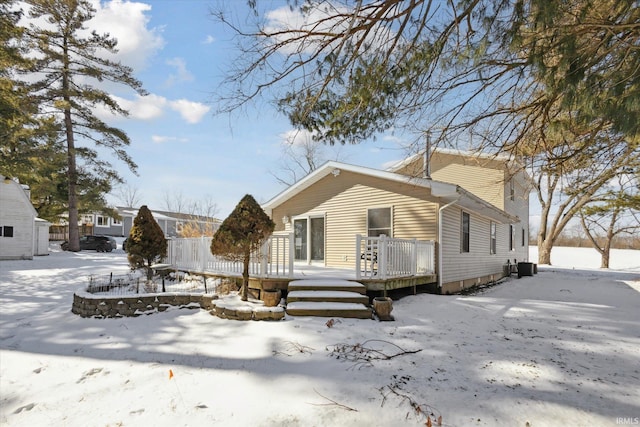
<point x="382" y="257"/>
<point x="358" y="256"/>
<point x="263" y="254"/>
<point x="291" y="254"/>
<point x="414" y="257"/>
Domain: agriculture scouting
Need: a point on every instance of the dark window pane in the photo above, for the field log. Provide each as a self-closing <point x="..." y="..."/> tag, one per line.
<point x="300" y="237"/>
<point x="466" y="221"/>
<point x="317" y="239"/>
<point x="379" y="221"/>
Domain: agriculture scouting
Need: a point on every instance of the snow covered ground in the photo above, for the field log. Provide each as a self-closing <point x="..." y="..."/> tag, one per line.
<point x="558" y="349"/>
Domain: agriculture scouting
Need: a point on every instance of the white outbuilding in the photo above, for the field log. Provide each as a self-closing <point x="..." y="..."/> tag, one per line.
<point x="22" y="234"/>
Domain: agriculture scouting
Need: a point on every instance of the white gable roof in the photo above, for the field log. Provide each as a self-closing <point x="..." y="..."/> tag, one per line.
<point x="17" y="191"/>
<point x="443" y="191"/>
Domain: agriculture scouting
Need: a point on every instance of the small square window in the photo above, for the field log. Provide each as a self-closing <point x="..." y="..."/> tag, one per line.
<point x="379" y="222"/>
<point x="7" y="231"/>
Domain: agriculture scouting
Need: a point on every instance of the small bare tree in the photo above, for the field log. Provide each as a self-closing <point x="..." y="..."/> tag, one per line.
<point x="129" y="195"/>
<point x="301" y="154"/>
<point x="615" y="212"/>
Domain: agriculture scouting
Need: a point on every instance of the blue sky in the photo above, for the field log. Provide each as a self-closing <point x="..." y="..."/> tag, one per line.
<point x="180" y="53"/>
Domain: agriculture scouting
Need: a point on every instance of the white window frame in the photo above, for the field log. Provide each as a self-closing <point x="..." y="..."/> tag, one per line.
<point x="308" y="218"/>
<point x="463" y="249"/>
<point x="493" y="238"/>
<point x="512" y="237"/>
<point x="116" y="221"/>
<point x="390" y="220"/>
<point x="512" y="189"/>
<point x="103" y="219"/>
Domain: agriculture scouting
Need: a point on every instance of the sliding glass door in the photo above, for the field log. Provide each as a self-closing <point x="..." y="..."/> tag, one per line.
<point x="309" y="239"/>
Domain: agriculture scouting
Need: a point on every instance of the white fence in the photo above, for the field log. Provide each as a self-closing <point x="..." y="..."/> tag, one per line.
<point x="275" y="259"/>
<point x="386" y="258"/>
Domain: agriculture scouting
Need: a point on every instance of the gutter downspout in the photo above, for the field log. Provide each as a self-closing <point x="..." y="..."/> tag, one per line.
<point x="442" y="208"/>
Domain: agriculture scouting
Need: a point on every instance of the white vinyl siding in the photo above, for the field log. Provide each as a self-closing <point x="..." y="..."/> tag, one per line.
<point x="344" y="200"/>
<point x="17" y="219"/>
<point x="478" y="262"/>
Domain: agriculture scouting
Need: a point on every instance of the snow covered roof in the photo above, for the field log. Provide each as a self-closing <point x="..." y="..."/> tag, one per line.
<point x="445" y="192"/>
<point x="165" y="215"/>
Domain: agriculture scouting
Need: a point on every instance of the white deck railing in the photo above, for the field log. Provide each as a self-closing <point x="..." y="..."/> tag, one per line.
<point x="275" y="259"/>
<point x="386" y="258"/>
<point x="376" y="258"/>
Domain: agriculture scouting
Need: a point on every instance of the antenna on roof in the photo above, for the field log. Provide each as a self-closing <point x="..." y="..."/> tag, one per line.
<point x="426" y="158"/>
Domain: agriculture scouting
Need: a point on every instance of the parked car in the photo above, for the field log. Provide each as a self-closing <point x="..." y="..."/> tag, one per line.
<point x="97" y="243"/>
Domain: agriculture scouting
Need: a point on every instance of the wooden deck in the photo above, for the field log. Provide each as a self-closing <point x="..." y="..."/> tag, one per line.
<point x="381" y="286"/>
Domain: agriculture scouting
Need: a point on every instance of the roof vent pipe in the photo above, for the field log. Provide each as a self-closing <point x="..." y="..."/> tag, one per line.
<point x="426" y="159"/>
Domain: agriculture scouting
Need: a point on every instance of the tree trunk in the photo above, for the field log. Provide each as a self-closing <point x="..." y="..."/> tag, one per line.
<point x="149" y="269"/>
<point x="74" y="232"/>
<point x="544" y="249"/>
<point x="604" y="259"/>
<point x="245" y="277"/>
<point x="72" y="173"/>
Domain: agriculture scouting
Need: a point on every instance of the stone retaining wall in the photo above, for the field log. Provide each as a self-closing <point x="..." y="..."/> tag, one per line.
<point x="248" y="313"/>
<point x="88" y="305"/>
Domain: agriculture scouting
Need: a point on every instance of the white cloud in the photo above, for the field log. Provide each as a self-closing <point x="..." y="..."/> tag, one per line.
<point x="181" y="75"/>
<point x="209" y="39"/>
<point x="159" y="139"/>
<point x="126" y="21"/>
<point x="190" y="111"/>
<point x="296" y="137"/>
<point x="147" y="107"/>
<point x="151" y="107"/>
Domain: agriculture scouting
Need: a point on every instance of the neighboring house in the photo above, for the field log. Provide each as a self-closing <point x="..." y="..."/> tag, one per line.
<point x="475" y="208"/>
<point x="22" y="234"/>
<point x="170" y="222"/>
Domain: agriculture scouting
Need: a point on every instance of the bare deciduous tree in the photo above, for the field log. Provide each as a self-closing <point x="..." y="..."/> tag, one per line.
<point x="301" y="154"/>
<point x="615" y="211"/>
<point x="129" y="195"/>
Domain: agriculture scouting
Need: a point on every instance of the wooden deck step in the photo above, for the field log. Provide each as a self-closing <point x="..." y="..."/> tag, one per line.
<point x="328" y="296"/>
<point x="329" y="309"/>
<point x="327" y="285"/>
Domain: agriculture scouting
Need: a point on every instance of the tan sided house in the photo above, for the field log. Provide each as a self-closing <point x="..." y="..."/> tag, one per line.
<point x="472" y="209"/>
